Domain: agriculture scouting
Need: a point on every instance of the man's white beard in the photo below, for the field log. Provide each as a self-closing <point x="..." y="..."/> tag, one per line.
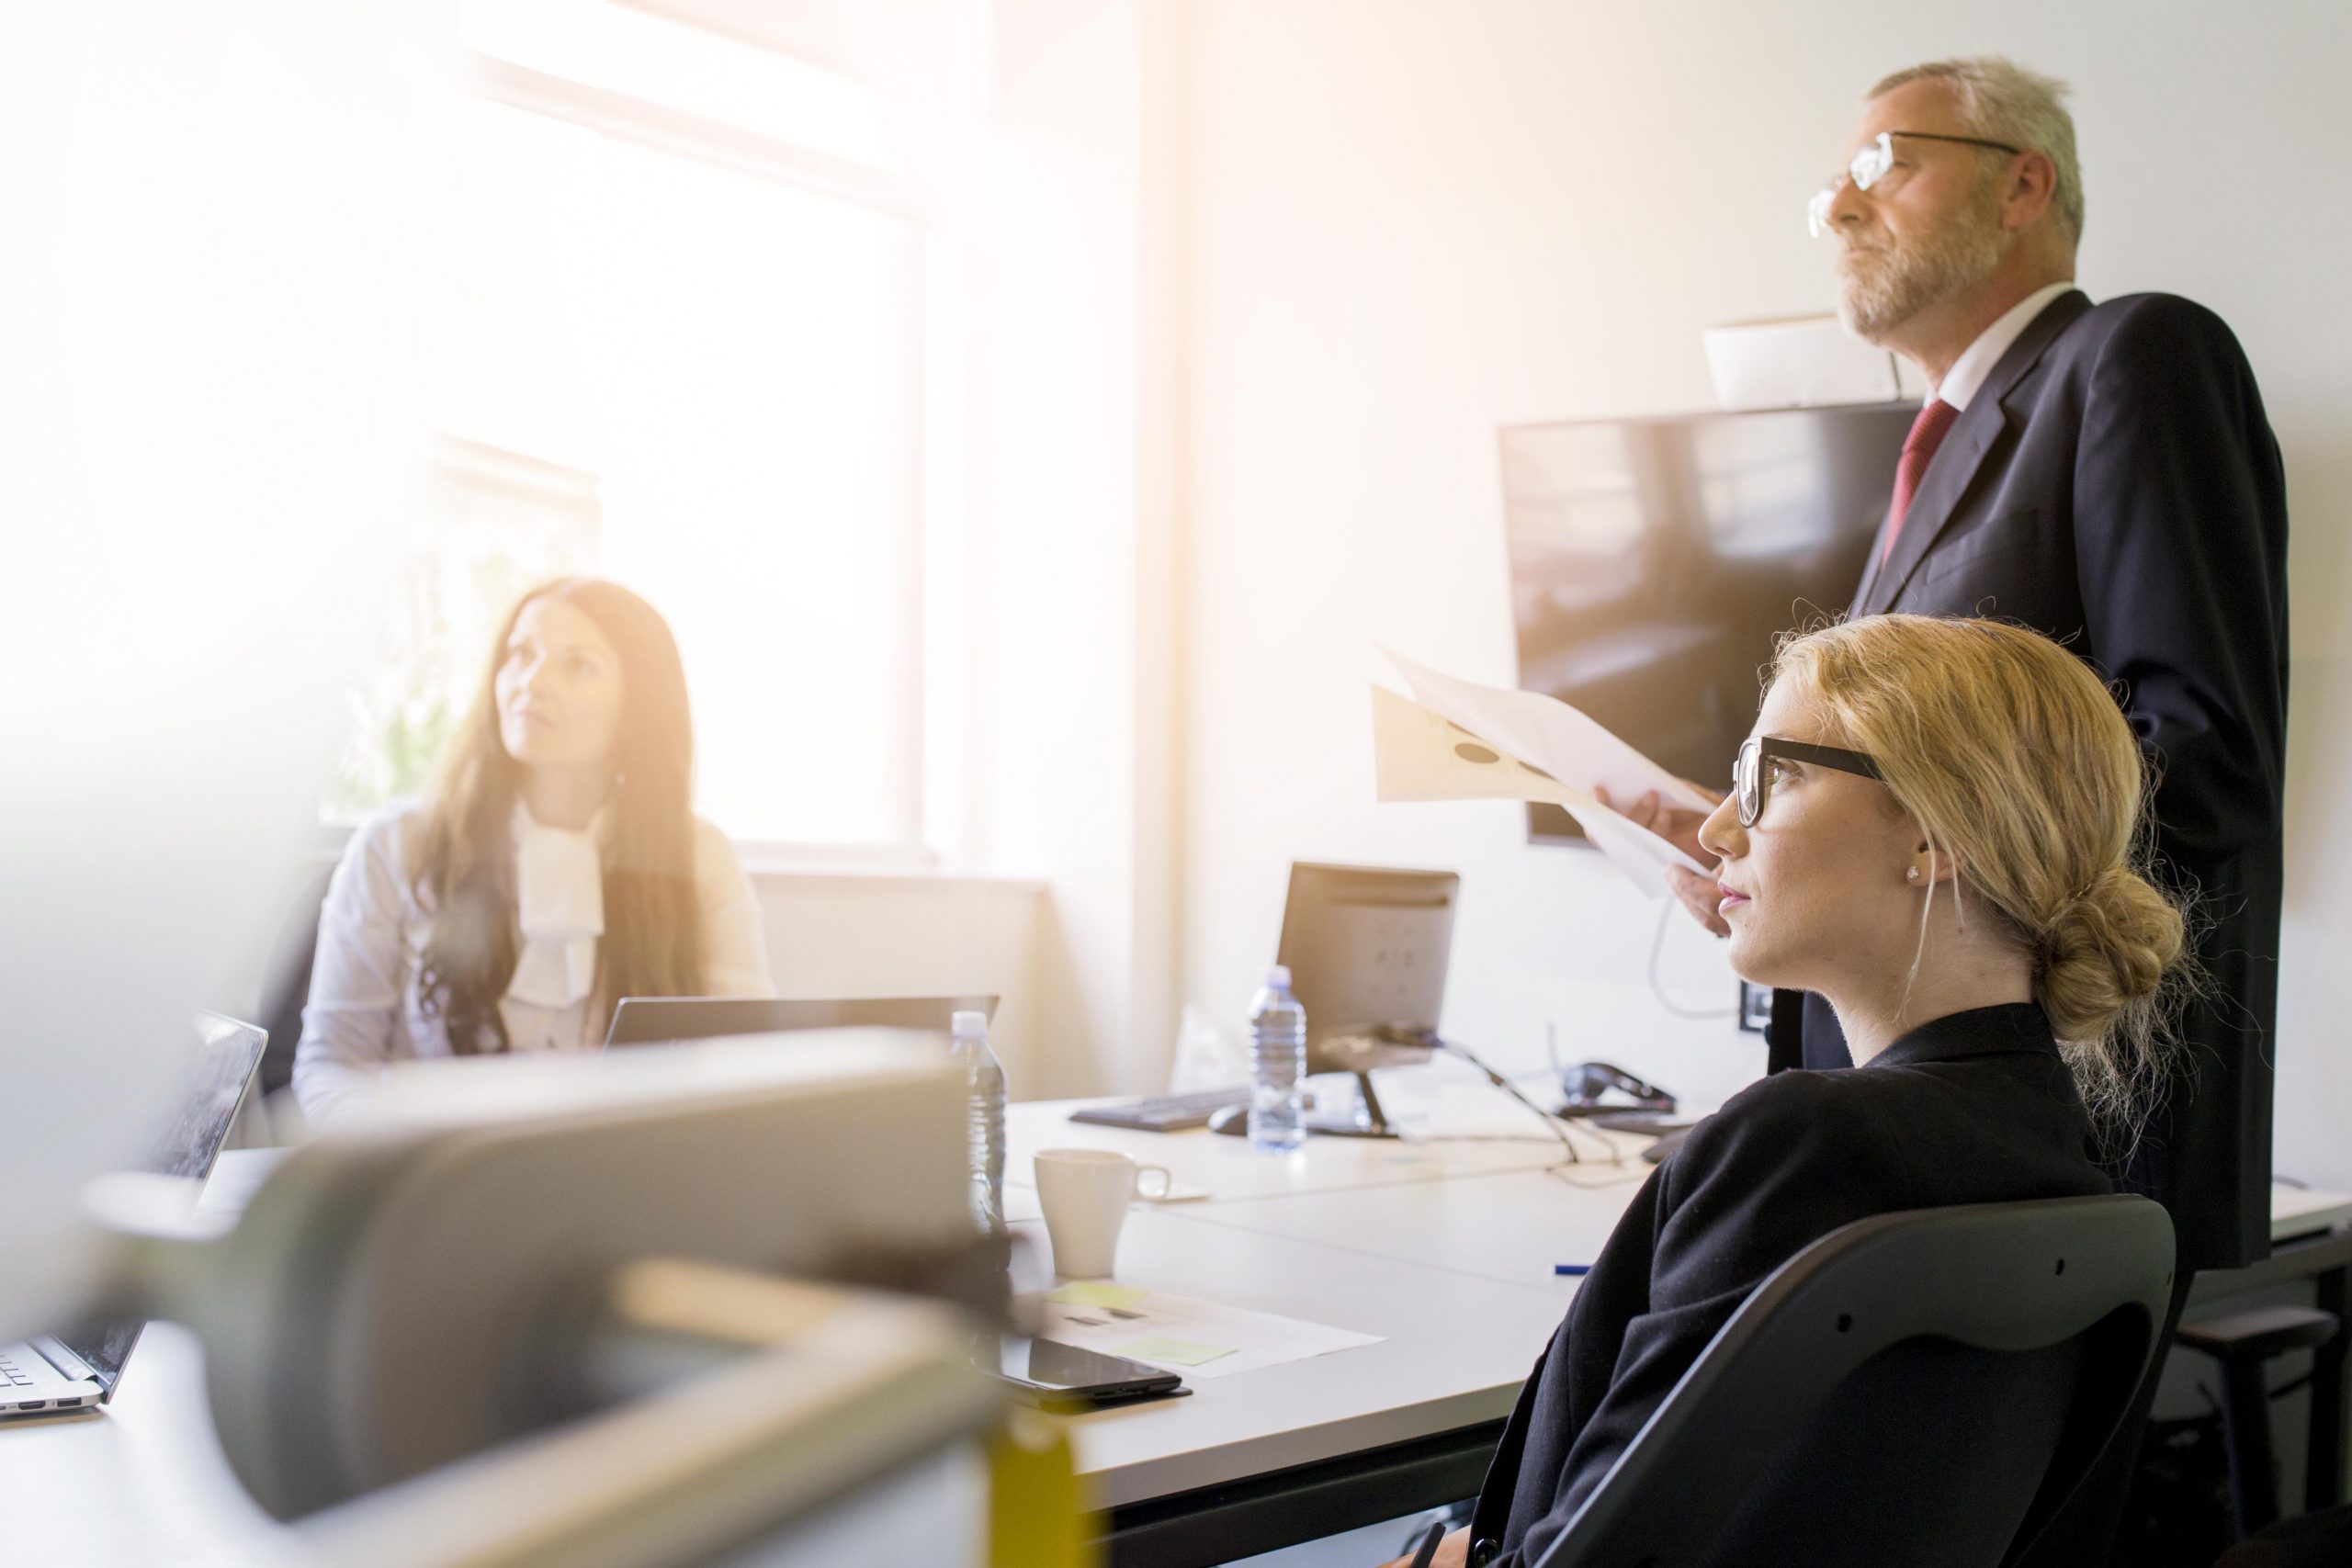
<point x="1882" y="287"/>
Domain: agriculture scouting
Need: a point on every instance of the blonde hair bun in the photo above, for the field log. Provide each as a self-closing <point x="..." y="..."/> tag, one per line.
<point x="2103" y="956"/>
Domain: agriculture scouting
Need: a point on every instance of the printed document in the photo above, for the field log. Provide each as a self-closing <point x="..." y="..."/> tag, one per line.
<point x="1183" y="1334"/>
<point x="1456" y="739"/>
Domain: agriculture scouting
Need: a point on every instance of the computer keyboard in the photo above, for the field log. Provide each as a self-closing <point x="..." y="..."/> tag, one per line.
<point x="1166" y="1112"/>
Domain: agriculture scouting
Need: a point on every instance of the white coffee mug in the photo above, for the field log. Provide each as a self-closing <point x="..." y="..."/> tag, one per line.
<point x="1085" y="1194"/>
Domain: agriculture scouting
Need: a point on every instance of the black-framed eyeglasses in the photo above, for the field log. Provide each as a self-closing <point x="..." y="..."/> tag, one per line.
<point x="1752" y="780"/>
<point x="1871" y="164"/>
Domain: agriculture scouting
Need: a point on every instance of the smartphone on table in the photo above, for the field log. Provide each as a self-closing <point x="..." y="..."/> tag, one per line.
<point x="1064" y="1377"/>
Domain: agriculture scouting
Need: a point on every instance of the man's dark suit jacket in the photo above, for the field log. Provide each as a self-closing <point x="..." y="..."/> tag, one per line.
<point x="1975" y="1108"/>
<point x="2115" y="485"/>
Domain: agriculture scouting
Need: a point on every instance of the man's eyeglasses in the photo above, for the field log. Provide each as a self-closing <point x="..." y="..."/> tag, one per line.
<point x="1751" y="774"/>
<point x="1871" y="164"/>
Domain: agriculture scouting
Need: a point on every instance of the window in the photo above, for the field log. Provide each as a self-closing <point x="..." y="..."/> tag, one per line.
<point x="681" y="347"/>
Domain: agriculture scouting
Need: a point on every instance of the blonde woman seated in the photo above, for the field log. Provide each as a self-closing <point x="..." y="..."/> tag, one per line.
<point x="556" y="867"/>
<point x="1936" y="827"/>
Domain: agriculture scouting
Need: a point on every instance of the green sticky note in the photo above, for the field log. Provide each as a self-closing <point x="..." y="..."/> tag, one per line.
<point x="1083" y="1294"/>
<point x="1183" y="1352"/>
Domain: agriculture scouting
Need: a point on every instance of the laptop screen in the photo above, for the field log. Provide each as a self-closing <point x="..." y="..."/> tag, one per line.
<point x="221" y="1065"/>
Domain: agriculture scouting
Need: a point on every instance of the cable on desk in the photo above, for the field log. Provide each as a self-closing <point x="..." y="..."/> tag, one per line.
<point x="1558" y="1125"/>
<point x="1512" y="1090"/>
<point x="1618" y="1175"/>
<point x="1478" y="1138"/>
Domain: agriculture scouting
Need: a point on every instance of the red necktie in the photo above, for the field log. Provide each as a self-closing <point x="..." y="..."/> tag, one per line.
<point x="1927" y="432"/>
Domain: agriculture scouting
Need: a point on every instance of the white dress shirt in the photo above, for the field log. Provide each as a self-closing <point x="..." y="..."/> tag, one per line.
<point x="1976" y="361"/>
<point x="365" y="1008"/>
<point x="559" y="908"/>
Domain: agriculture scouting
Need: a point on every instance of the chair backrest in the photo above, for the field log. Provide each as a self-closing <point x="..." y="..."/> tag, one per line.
<point x="656" y="1020"/>
<point x="1886" y="1346"/>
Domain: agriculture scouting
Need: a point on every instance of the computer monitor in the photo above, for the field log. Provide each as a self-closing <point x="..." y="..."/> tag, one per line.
<point x="1655" y="563"/>
<point x="664" y="1021"/>
<point x="1366" y="947"/>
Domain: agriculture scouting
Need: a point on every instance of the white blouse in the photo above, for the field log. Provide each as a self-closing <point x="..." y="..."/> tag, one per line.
<point x="365" y="1008"/>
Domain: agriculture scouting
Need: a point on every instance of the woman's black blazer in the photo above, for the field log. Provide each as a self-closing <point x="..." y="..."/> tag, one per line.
<point x="1975" y="1108"/>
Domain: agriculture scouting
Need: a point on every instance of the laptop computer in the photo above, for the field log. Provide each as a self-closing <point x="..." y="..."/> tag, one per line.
<point x="79" y="1367"/>
<point x="666" y="1021"/>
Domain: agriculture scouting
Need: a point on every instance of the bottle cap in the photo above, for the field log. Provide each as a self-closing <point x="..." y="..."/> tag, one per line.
<point x="1278" y="976"/>
<point x="968" y="1025"/>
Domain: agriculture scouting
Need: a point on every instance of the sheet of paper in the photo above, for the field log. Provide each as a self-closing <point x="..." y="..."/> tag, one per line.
<point x="1096" y="1293"/>
<point x="1640" y="853"/>
<point x="1419" y="754"/>
<point x="1201" y="1339"/>
<point x="1548" y="734"/>
<point x="1162" y="1351"/>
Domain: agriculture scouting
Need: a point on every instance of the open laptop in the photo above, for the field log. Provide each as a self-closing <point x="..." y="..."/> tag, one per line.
<point x="666" y="1021"/>
<point x="80" y="1367"/>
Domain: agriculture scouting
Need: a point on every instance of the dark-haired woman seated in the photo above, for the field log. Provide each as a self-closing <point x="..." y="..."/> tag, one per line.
<point x="556" y="867"/>
<point x="1936" y="826"/>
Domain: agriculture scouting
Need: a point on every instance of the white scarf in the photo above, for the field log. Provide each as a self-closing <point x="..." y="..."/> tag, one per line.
<point x="560" y="897"/>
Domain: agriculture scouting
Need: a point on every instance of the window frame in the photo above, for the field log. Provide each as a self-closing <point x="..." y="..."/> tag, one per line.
<point x="907" y="444"/>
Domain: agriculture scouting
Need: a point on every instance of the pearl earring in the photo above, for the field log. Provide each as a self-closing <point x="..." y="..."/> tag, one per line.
<point x="1912" y="874"/>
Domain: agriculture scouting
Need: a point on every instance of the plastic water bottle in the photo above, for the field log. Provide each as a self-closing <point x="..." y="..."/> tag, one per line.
<point x="984" y="1116"/>
<point x="1277" y="1064"/>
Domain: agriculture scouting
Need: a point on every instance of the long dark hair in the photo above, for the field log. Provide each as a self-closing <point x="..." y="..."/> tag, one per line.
<point x="463" y="866"/>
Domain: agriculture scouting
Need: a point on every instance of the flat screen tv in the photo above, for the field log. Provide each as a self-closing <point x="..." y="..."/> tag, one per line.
<point x="1654" y="562"/>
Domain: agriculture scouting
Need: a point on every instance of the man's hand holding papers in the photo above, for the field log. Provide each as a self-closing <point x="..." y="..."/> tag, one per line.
<point x="1679" y="827"/>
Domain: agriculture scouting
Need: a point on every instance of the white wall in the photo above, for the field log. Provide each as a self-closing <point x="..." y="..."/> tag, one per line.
<point x="1410" y="224"/>
<point x="1072" y="716"/>
<point x="861" y="935"/>
<point x="1038" y="133"/>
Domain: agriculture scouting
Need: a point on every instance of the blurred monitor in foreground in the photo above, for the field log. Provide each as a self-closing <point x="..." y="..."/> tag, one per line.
<point x="1654" y="561"/>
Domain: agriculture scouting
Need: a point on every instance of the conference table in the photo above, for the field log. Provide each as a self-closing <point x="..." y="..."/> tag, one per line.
<point x="1442" y="1245"/>
<point x="1247" y="1463"/>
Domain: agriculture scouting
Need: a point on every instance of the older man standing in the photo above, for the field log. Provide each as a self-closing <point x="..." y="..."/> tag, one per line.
<point x="2103" y="473"/>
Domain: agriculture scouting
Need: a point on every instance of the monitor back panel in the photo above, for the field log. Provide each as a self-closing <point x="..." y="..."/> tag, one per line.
<point x="1367" y="947"/>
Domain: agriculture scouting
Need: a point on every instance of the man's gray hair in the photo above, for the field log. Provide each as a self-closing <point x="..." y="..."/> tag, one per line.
<point x="2002" y="101"/>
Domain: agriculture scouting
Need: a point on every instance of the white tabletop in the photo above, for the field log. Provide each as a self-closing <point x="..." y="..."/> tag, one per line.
<point x="1444" y="1248"/>
<point x="1507" y="1226"/>
<point x="1454" y="1345"/>
<point x="1454" y="1350"/>
<point x="2301" y="1211"/>
<point x="1349" y="1233"/>
<point x="1454" y="1127"/>
<point x="141" y="1483"/>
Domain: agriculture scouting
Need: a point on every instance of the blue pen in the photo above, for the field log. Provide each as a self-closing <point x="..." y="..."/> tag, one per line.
<point x="1571" y="1268"/>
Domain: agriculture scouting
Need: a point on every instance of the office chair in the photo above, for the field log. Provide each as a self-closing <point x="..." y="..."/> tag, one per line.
<point x="1924" y="1388"/>
<point x="2245" y="1344"/>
